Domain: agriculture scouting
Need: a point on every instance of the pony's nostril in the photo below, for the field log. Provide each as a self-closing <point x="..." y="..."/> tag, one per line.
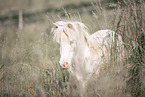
<point x="64" y="65"/>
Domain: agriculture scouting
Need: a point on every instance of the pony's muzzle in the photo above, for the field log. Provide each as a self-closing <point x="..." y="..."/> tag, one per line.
<point x="65" y="66"/>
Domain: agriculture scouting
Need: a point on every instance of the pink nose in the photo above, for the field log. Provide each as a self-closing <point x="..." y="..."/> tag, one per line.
<point x="65" y="65"/>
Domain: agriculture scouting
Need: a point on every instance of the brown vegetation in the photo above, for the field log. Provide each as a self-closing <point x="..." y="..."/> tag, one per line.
<point x="29" y="57"/>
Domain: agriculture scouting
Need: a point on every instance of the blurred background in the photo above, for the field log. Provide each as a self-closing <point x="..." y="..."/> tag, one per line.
<point x="29" y="56"/>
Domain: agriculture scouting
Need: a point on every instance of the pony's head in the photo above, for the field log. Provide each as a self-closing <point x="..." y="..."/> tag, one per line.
<point x="69" y="36"/>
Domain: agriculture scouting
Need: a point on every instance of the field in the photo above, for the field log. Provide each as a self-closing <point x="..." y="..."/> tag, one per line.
<point x="29" y="57"/>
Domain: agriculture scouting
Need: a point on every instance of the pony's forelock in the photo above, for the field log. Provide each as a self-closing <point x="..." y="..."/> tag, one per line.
<point x="77" y="29"/>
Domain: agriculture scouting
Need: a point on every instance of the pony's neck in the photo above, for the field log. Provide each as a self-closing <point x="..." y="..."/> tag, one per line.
<point x="84" y="47"/>
<point x="87" y="52"/>
<point x="89" y="47"/>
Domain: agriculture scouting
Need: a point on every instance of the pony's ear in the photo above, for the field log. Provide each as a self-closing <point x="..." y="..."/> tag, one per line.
<point x="70" y="25"/>
<point x="55" y="25"/>
<point x="59" y="23"/>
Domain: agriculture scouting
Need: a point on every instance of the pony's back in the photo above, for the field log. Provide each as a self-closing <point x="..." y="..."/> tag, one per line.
<point x="103" y="42"/>
<point x="105" y="37"/>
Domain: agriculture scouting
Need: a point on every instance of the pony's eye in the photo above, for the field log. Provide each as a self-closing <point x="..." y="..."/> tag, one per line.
<point x="70" y="25"/>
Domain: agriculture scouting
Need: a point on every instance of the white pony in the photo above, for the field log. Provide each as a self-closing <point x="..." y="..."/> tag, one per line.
<point x="81" y="53"/>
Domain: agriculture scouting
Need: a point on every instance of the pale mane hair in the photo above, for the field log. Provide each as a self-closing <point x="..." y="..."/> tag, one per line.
<point x="72" y="30"/>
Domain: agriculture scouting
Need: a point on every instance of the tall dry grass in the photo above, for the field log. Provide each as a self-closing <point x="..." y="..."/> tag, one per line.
<point x="29" y="57"/>
<point x="131" y="27"/>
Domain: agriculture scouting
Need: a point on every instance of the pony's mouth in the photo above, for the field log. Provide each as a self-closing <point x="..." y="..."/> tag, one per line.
<point x="65" y="66"/>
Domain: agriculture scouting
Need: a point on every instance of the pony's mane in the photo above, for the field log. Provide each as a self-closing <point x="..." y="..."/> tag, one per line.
<point x="73" y="30"/>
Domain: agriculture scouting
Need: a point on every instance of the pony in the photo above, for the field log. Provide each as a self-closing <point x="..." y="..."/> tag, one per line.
<point x="81" y="53"/>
